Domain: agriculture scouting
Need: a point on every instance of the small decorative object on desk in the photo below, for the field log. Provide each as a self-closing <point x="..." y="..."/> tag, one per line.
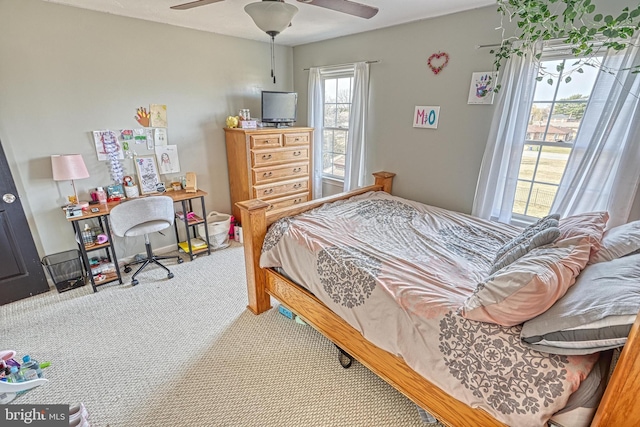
<point x="115" y="192"/>
<point x="101" y="195"/>
<point x="191" y="185"/>
<point x="131" y="191"/>
<point x="73" y="211"/>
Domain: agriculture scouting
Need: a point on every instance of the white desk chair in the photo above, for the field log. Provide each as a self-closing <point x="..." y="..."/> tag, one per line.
<point x="139" y="217"/>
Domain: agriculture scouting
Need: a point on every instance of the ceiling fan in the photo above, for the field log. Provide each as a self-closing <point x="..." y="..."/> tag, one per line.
<point x="344" y="6"/>
<point x="274" y="16"/>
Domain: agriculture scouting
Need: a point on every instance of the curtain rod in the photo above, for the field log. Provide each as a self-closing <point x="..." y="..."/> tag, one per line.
<point x="548" y="43"/>
<point x="482" y="46"/>
<point x="376" y="61"/>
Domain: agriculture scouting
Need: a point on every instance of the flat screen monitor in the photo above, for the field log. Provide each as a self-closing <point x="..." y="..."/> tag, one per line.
<point x="279" y="107"/>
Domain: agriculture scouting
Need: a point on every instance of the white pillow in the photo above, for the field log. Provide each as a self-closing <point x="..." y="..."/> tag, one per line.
<point x="618" y="242"/>
<point x="595" y="314"/>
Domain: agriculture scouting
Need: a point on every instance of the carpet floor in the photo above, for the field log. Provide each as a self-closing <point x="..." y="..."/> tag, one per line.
<point x="187" y="352"/>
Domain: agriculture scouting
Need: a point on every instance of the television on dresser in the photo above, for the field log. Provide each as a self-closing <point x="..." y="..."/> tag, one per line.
<point x="279" y="108"/>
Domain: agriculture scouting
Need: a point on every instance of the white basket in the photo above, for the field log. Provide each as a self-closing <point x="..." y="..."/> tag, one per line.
<point x="218" y="225"/>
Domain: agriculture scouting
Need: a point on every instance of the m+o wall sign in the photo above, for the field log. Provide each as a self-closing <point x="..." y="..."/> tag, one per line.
<point x="426" y="117"/>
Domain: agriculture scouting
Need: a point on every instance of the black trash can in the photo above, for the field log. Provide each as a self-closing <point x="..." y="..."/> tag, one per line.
<point x="65" y="269"/>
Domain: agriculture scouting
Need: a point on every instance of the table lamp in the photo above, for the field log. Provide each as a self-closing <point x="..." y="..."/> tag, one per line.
<point x="67" y="167"/>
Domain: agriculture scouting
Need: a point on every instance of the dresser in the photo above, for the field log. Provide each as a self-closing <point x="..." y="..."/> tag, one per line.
<point x="270" y="164"/>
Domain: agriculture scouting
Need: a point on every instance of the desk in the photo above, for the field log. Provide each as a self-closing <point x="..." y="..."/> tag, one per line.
<point x="179" y="196"/>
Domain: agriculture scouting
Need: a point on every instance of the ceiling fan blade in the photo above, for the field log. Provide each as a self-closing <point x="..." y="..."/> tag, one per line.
<point x="345" y="6"/>
<point x="193" y="4"/>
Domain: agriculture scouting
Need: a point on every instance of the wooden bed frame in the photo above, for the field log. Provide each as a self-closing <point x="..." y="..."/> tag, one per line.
<point x="618" y="406"/>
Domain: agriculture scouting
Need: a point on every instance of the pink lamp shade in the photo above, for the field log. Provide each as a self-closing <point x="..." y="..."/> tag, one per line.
<point x="68" y="167"/>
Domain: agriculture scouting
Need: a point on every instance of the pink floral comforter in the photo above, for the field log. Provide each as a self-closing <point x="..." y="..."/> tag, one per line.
<point x="398" y="271"/>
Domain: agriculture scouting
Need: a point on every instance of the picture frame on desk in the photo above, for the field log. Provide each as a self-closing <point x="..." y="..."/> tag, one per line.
<point x="148" y="175"/>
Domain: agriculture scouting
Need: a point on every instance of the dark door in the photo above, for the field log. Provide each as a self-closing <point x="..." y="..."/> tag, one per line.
<point x="21" y="274"/>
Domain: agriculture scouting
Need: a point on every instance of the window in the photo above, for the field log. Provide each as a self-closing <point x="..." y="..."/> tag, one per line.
<point x="554" y="121"/>
<point x="337" y="91"/>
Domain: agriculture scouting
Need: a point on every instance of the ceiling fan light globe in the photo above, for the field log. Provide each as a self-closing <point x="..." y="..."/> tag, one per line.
<point x="271" y="16"/>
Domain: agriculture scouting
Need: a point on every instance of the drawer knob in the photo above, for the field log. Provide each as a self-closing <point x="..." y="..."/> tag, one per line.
<point x="266" y="156"/>
<point x="297" y="201"/>
<point x="297" y="153"/>
<point x="297" y="139"/>
<point x="295" y="170"/>
<point x="267" y="174"/>
<point x="269" y="191"/>
<point x="298" y="185"/>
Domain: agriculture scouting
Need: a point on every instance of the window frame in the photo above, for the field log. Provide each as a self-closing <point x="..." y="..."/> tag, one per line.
<point x="553" y="54"/>
<point x="335" y="74"/>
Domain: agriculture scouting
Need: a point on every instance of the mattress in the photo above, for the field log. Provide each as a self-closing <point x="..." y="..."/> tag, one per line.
<point x="398" y="271"/>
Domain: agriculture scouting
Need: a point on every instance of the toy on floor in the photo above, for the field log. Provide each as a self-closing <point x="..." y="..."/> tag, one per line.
<point x="290" y="315"/>
<point x="17" y="378"/>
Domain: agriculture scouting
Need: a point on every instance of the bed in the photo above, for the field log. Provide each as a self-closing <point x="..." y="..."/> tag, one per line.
<point x="401" y="367"/>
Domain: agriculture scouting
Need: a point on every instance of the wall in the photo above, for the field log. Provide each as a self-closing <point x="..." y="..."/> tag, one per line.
<point x="438" y="167"/>
<point x="67" y="71"/>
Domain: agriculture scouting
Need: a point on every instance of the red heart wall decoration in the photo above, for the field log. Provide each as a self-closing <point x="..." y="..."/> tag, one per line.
<point x="435" y="59"/>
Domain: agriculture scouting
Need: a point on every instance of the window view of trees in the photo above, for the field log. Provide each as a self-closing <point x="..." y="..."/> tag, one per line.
<point x="573" y="110"/>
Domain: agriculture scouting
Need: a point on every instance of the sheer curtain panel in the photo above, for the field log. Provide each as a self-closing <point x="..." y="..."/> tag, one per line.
<point x="315" y="118"/>
<point x="496" y="187"/>
<point x="354" y="175"/>
<point x="603" y="169"/>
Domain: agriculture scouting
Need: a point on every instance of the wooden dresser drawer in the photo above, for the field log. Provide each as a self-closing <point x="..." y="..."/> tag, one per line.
<point x="266" y="141"/>
<point x="269" y="163"/>
<point x="296" y="139"/>
<point x="263" y="157"/>
<point x="268" y="191"/>
<point x="287" y="201"/>
<point x="271" y="173"/>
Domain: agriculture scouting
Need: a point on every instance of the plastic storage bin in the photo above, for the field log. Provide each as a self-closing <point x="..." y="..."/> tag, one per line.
<point x="65" y="269"/>
<point x="218" y="225"/>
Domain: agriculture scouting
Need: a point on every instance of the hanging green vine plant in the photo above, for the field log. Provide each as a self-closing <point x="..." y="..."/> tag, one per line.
<point x="576" y="22"/>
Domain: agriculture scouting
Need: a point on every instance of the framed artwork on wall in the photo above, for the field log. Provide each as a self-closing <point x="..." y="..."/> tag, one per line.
<point x="148" y="176"/>
<point x="482" y="86"/>
<point x="167" y="158"/>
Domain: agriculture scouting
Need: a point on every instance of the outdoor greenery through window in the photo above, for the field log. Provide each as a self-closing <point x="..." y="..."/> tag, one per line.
<point x="335" y="130"/>
<point x="556" y="115"/>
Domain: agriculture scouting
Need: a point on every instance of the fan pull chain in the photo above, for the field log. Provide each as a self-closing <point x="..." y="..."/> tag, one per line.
<point x="273" y="59"/>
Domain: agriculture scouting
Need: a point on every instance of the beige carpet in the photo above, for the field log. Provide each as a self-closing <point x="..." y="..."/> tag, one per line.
<point x="186" y="352"/>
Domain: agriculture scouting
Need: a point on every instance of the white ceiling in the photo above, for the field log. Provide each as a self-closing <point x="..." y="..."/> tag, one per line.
<point x="311" y="23"/>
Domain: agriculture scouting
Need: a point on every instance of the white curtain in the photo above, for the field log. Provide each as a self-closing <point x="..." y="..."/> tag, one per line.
<point x="603" y="169"/>
<point x="495" y="190"/>
<point x="315" y="112"/>
<point x="354" y="175"/>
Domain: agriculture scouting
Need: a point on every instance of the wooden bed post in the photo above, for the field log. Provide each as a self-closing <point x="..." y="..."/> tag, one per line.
<point x="619" y="406"/>
<point x="254" y="222"/>
<point x="385" y="179"/>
